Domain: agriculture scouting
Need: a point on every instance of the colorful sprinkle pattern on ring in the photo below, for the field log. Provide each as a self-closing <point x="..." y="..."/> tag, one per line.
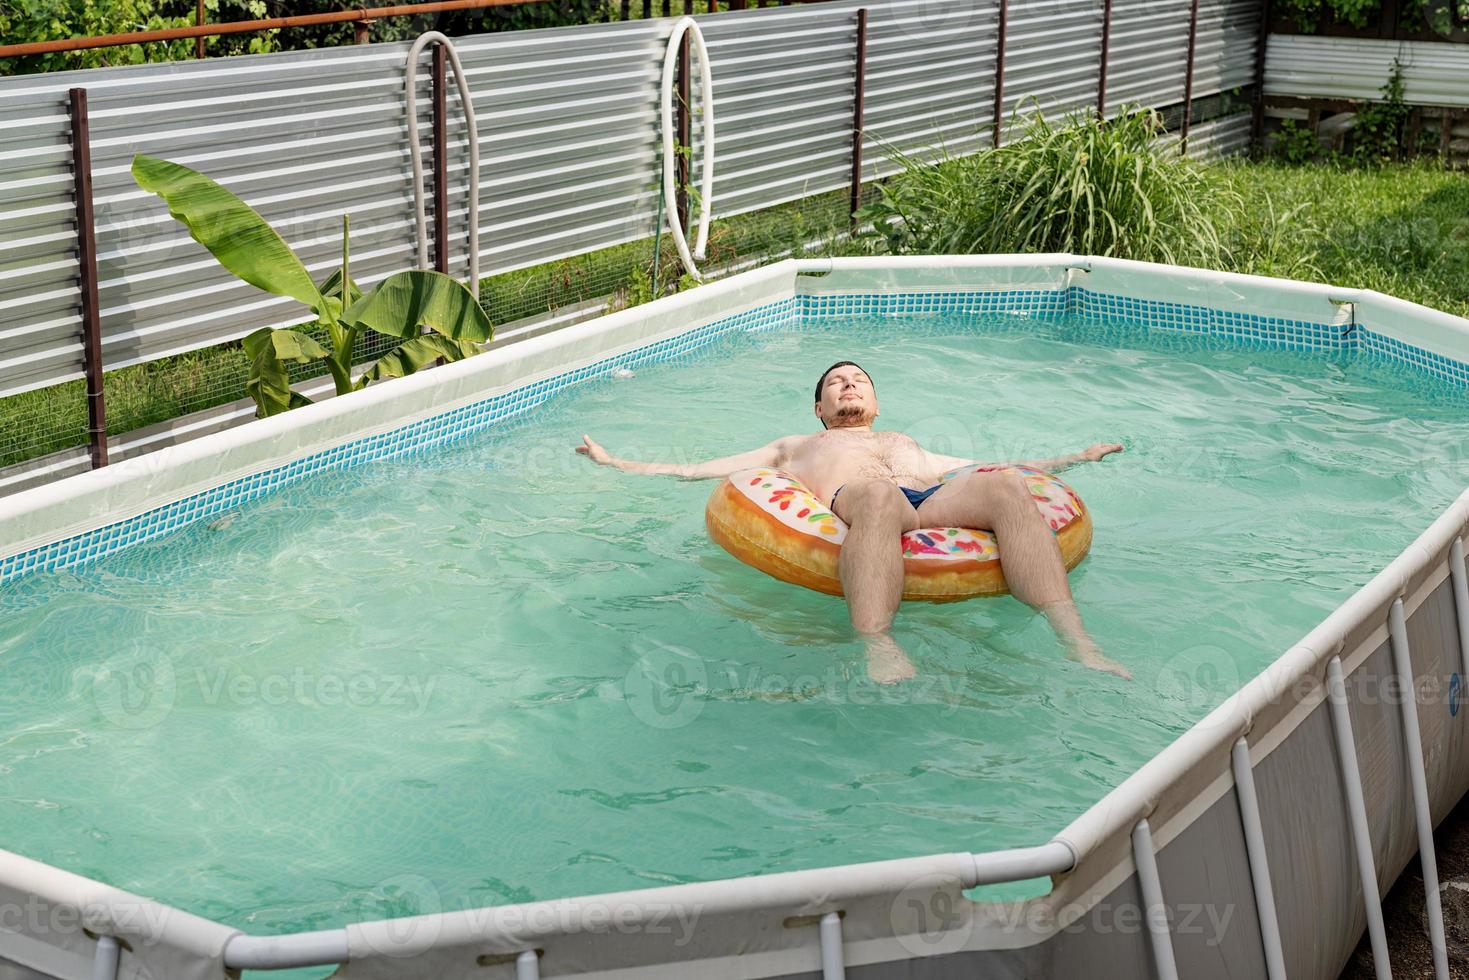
<point x="785" y="498"/>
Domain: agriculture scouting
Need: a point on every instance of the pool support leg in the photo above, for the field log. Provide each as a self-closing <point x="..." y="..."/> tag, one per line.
<point x="104" y="965"/>
<point x="1249" y="815"/>
<point x="1413" y="742"/>
<point x="832" y="965"/>
<point x="1351" y="778"/>
<point x="1461" y="604"/>
<point x="1155" y="913"/>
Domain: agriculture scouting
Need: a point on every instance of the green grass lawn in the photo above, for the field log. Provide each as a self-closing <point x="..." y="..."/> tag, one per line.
<point x="1403" y="230"/>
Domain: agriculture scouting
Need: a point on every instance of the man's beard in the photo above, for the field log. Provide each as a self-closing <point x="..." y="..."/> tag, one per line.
<point x="849" y="416"/>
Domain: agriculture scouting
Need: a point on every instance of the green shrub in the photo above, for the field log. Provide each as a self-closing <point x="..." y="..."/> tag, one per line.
<point x="1295" y="144"/>
<point x="1378" y="135"/>
<point x="1083" y="185"/>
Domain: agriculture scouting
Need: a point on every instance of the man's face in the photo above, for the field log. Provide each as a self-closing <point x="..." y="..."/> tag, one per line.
<point x="847" y="398"/>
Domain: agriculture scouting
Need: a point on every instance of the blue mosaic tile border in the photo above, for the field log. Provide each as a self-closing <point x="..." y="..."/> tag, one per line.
<point x="1074" y="301"/>
<point x="1087" y="306"/>
<point x="1090" y="307"/>
<point x="1033" y="302"/>
<point x="1394" y="350"/>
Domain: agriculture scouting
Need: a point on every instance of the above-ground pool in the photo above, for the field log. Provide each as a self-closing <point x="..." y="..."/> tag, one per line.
<point x="404" y="653"/>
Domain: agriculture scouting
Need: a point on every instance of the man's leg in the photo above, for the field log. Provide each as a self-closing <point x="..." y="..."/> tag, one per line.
<point x="1001" y="502"/>
<point x="871" y="569"/>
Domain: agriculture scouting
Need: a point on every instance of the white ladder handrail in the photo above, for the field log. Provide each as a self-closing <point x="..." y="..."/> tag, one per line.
<point x="706" y="187"/>
<point x="416" y="154"/>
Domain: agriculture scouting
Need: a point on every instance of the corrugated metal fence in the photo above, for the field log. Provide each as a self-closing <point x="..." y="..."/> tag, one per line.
<point x="567" y="125"/>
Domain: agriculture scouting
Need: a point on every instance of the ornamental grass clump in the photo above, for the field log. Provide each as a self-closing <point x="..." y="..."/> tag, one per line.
<point x="1085" y="185"/>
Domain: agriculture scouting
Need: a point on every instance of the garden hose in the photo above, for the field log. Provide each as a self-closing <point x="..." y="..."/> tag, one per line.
<point x="416" y="154"/>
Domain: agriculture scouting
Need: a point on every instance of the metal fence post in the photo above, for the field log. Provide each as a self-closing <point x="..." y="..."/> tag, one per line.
<point x="1188" y="78"/>
<point x="1106" y="53"/>
<point x="1257" y="124"/>
<point x="200" y="16"/>
<point x="858" y="101"/>
<point x="81" y="153"/>
<point x="441" y="161"/>
<point x="1000" y="70"/>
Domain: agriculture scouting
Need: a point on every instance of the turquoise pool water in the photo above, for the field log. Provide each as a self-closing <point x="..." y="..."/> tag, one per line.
<point x="495" y="672"/>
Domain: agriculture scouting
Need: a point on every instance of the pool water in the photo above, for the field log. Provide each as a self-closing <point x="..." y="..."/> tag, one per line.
<point x="495" y="672"/>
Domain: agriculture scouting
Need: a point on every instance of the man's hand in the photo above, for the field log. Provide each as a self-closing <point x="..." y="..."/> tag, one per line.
<point x="1100" y="450"/>
<point x="594" y="452"/>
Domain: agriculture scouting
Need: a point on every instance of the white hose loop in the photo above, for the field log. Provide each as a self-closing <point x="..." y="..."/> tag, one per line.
<point x="706" y="190"/>
<point x="416" y="154"/>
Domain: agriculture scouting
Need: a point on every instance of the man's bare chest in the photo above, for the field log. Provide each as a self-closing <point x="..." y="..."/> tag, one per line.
<point x="880" y="452"/>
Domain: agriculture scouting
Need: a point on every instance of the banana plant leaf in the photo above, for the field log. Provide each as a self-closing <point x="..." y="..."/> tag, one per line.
<point x="332" y="286"/>
<point x="406" y="301"/>
<point x="270" y="380"/>
<point x="409" y="357"/>
<point x="234" y="234"/>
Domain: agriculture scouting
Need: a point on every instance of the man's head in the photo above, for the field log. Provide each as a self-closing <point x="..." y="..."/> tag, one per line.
<point x="845" y="396"/>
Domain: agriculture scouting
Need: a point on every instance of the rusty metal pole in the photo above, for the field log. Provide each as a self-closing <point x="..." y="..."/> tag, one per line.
<point x="682" y="127"/>
<point x="1188" y="78"/>
<point x="1106" y="53"/>
<point x="1000" y="71"/>
<point x="199" y="17"/>
<point x="1257" y="124"/>
<point x="81" y="156"/>
<point x="361" y="31"/>
<point x="858" y="106"/>
<point x="441" y="161"/>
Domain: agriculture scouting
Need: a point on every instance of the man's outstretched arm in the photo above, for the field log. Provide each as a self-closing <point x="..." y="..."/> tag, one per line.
<point x="944" y="464"/>
<point x="1089" y="455"/>
<point x="773" y="454"/>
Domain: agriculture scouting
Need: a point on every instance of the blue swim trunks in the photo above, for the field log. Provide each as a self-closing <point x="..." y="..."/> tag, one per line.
<point x="915" y="497"/>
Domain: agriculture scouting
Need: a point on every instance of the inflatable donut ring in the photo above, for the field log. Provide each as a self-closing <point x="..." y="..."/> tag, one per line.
<point x="767" y="519"/>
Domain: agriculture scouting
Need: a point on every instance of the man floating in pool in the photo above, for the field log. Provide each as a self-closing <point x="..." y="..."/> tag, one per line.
<point x="868" y="478"/>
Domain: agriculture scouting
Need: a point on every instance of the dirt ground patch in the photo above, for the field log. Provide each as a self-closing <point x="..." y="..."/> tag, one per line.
<point x="1403" y="911"/>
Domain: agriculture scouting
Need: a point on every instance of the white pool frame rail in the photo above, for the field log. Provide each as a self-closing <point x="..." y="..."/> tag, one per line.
<point x="1244" y="790"/>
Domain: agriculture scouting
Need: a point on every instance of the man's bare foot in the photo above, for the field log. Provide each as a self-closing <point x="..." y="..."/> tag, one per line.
<point x="886" y="661"/>
<point x="1093" y="658"/>
<point x="1066" y="621"/>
